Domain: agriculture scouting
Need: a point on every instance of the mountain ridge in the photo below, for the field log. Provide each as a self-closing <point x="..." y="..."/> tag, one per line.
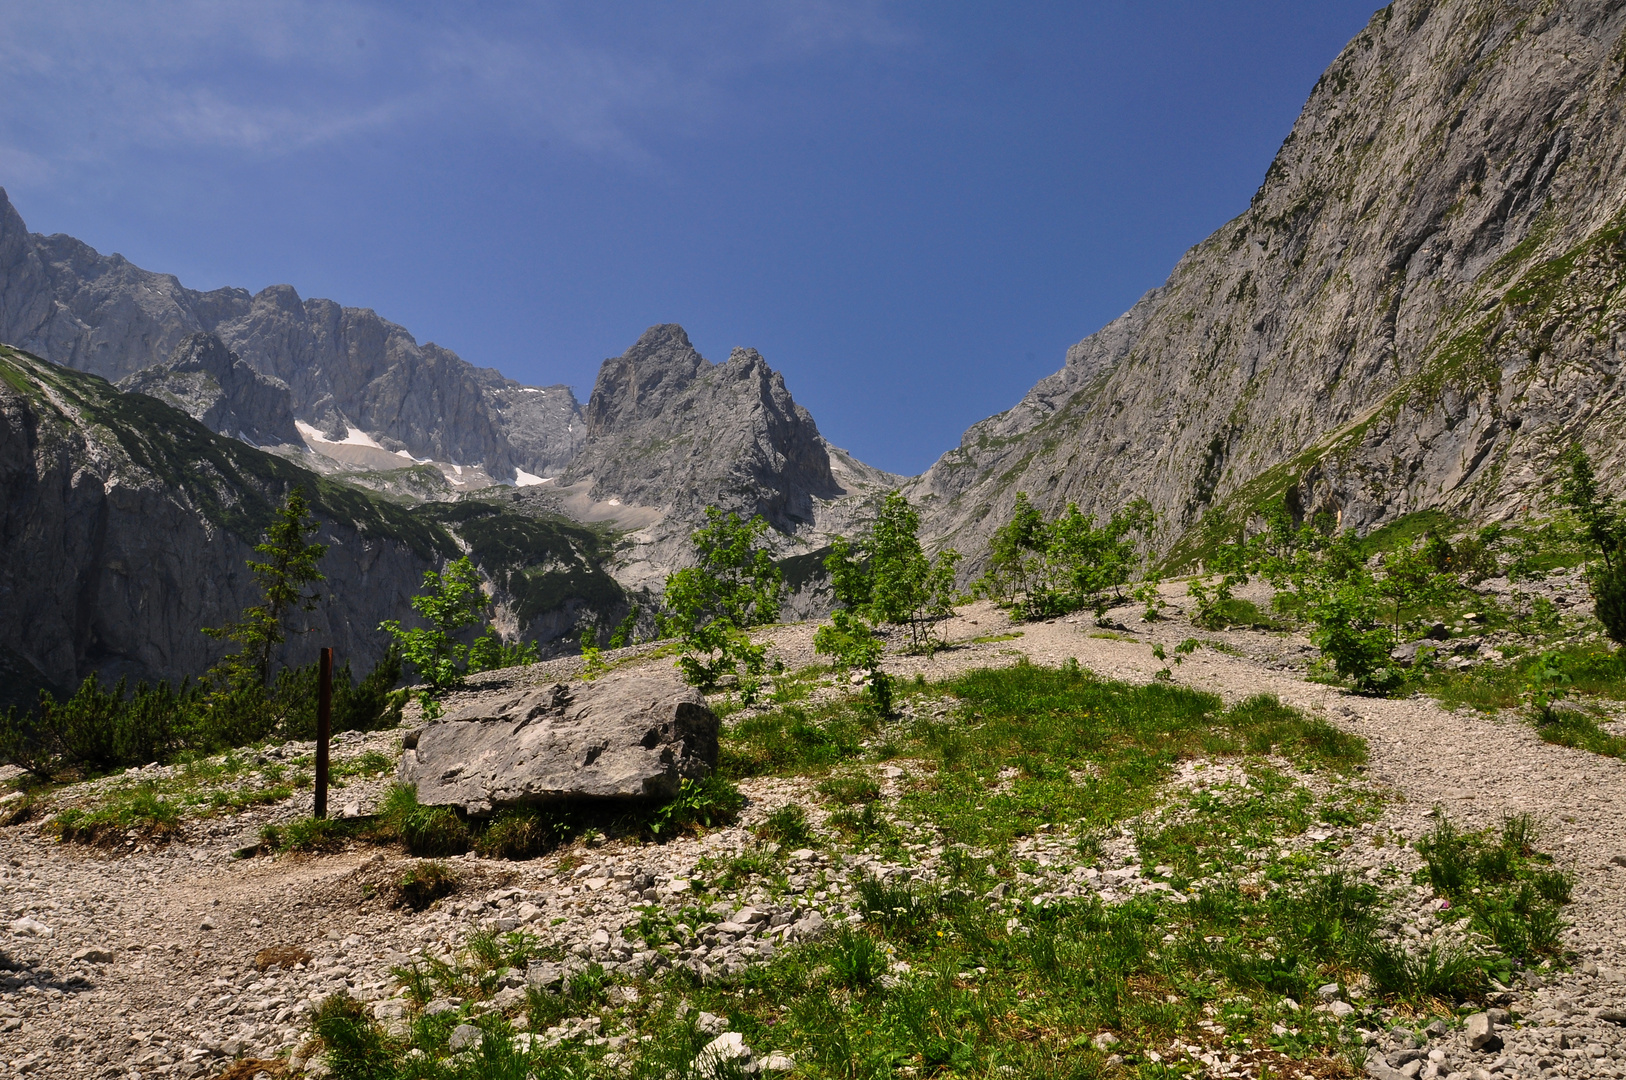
<point x="345" y="367"/>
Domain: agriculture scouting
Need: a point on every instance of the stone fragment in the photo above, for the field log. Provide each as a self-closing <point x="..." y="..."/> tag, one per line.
<point x="30" y="927"/>
<point x="1377" y="1069"/>
<point x="93" y="956"/>
<point x="1328" y="992"/>
<point x="635" y="733"/>
<point x="1481" y="1032"/>
<point x="727" y="1048"/>
<point x="464" y="1037"/>
<point x="809" y="926"/>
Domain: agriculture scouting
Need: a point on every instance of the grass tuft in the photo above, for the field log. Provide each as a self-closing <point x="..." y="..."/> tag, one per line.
<point x="425" y="883"/>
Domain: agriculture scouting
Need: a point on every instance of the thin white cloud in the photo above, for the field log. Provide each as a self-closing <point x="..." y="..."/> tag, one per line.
<point x="81" y="82"/>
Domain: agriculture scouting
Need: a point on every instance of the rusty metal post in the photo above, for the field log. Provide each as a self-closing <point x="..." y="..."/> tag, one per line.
<point x="324" y="728"/>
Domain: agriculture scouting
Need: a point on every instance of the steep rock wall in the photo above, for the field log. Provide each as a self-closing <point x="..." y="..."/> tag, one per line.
<point x="1420" y="307"/>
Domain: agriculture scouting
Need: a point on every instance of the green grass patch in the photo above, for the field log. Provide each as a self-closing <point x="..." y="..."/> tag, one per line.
<point x="788" y="827"/>
<point x="1593" y="671"/>
<point x="1582" y="732"/>
<point x="795" y="739"/>
<point x="1087" y="750"/>
<point x="138" y="814"/>
<point x="850" y="789"/>
<point x="1499" y="883"/>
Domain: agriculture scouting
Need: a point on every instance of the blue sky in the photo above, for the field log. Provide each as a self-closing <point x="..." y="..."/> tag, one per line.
<point x="911" y="209"/>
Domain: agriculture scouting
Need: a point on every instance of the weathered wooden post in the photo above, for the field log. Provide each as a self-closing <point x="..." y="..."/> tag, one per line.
<point x="324" y="728"/>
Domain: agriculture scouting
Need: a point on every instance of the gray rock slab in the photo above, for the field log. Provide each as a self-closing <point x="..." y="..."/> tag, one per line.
<point x="634" y="733"/>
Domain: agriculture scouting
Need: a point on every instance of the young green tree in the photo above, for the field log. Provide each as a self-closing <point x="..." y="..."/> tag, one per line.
<point x="1048" y="568"/>
<point x="851" y="643"/>
<point x="1605" y="531"/>
<point x="1016" y="553"/>
<point x="289" y="570"/>
<point x="712" y="606"/>
<point x="1351" y="631"/>
<point x="1418" y="577"/>
<point x="452" y="600"/>
<point x="905" y="587"/>
<point x="849" y="639"/>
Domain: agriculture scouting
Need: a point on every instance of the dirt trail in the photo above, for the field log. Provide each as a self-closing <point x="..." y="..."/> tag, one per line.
<point x="168" y="986"/>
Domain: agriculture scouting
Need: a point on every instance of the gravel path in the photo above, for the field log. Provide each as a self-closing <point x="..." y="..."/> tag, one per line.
<point x="140" y="961"/>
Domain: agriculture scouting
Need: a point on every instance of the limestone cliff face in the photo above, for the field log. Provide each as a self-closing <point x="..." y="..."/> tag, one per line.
<point x="1421" y="307"/>
<point x="215" y="387"/>
<point x="344" y="367"/>
<point x="125" y="526"/>
<point x="543" y="424"/>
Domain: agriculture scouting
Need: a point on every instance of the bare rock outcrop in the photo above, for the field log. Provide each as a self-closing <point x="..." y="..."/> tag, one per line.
<point x="215" y="387"/>
<point x="635" y="733"/>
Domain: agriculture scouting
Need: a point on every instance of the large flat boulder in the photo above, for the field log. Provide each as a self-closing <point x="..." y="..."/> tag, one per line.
<point x="635" y="733"/>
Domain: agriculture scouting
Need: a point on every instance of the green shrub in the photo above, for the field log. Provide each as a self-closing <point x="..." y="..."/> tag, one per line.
<point x="1350" y="632"/>
<point x="700" y="804"/>
<point x="98" y="731"/>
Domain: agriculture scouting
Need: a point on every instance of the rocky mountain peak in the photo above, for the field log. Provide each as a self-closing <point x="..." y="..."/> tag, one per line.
<point x="347" y="369"/>
<point x="634" y="387"/>
<point x="670" y="431"/>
